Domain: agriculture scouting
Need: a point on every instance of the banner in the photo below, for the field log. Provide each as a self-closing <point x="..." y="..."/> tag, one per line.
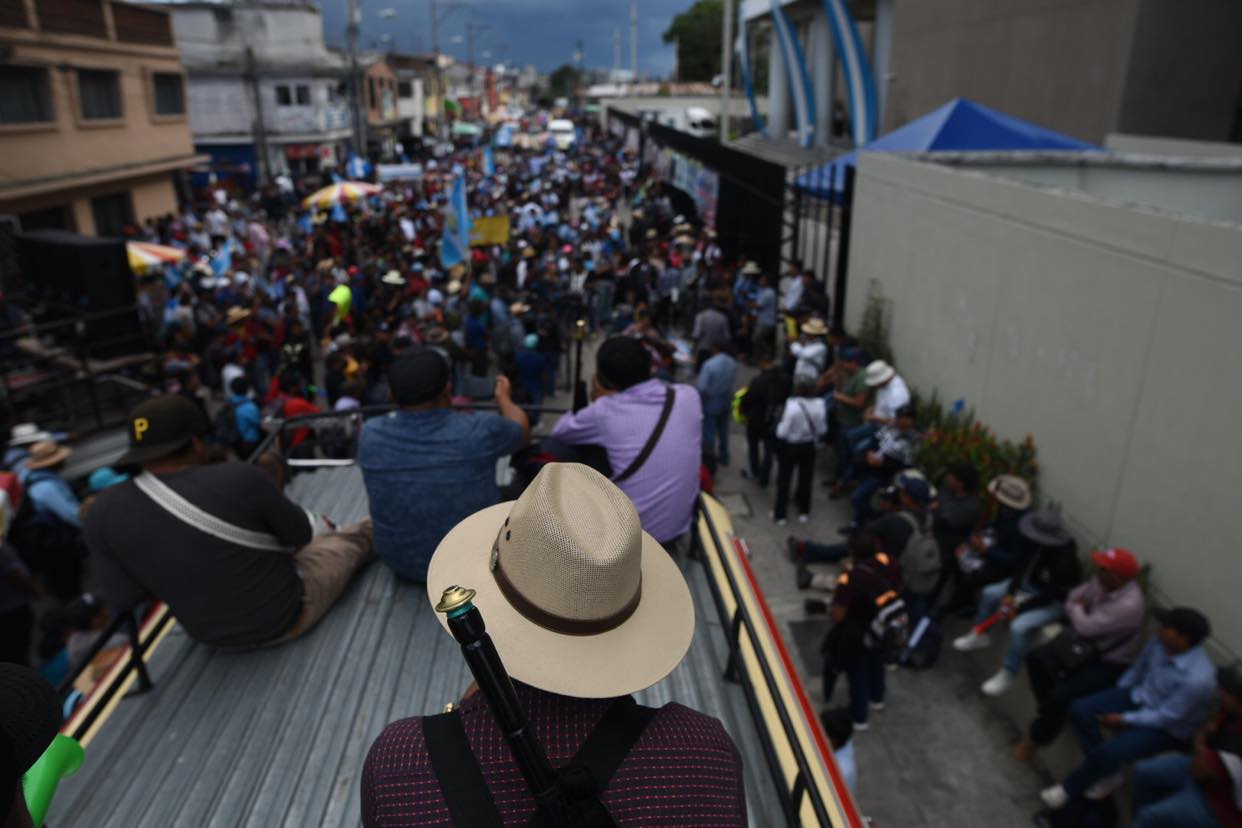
<point x="699" y="182"/>
<point x="490" y="230"/>
<point x="400" y="172"/>
<point x="455" y="243"/>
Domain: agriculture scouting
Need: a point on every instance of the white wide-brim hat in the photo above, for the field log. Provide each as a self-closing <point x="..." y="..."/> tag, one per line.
<point x="878" y="373"/>
<point x="571" y="550"/>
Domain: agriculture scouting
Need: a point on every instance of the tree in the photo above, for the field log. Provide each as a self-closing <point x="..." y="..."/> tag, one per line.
<point x="563" y="81"/>
<point x="696" y="32"/>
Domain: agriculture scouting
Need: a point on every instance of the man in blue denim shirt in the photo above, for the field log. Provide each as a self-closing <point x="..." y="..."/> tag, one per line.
<point x="1157" y="706"/>
<point x="426" y="466"/>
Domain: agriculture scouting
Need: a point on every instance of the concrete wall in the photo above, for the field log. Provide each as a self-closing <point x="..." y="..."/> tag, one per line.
<point x="217" y="35"/>
<point x="1174" y="147"/>
<point x="1107" y="331"/>
<point x="1204" y="189"/>
<point x="1060" y="64"/>
<point x="1185" y="75"/>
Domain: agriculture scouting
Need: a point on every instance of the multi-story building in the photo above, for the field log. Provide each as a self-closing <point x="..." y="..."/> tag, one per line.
<point x="265" y="94"/>
<point x="379" y="98"/>
<point x="93" y="129"/>
<point x="416" y="78"/>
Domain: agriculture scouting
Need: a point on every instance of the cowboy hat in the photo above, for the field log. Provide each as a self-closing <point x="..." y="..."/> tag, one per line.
<point x="1010" y="490"/>
<point x="684" y="239"/>
<point x="528" y="252"/>
<point x="752" y="269"/>
<point x="519" y="308"/>
<point x="814" y="327"/>
<point x="436" y="336"/>
<point x="1044" y="527"/>
<point x="23" y="434"/>
<point x="45" y="454"/>
<point x="235" y="315"/>
<point x="578" y="599"/>
<point x="392" y="277"/>
<point x="878" y="373"/>
<point x="454" y="286"/>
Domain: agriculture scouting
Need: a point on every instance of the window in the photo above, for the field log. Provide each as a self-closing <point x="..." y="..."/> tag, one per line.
<point x="169" y="93"/>
<point x="283" y="96"/>
<point x="25" y="95"/>
<point x="49" y="218"/>
<point x="334" y="93"/>
<point x="372" y="95"/>
<point x="303" y="95"/>
<point x="99" y="94"/>
<point x="405" y="89"/>
<point x="112" y="213"/>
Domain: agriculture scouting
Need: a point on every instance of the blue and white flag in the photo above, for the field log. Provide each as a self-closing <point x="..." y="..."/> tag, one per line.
<point x="357" y="168"/>
<point x="860" y="80"/>
<point x="222" y="261"/>
<point x="795" y="72"/>
<point x="455" y="243"/>
<point x="489" y="163"/>
<point x="742" y="49"/>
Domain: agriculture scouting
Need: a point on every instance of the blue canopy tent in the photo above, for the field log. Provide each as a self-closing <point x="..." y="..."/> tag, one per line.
<point x="960" y="125"/>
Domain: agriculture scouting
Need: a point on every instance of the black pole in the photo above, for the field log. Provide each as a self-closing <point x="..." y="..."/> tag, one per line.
<point x="843" y="248"/>
<point x="465" y="622"/>
<point x="580" y="393"/>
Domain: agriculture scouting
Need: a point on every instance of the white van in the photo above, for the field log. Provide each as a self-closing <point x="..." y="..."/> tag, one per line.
<point x="563" y="133"/>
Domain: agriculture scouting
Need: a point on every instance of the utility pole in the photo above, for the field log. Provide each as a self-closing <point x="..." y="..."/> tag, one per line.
<point x="260" y="125"/>
<point x="633" y="43"/>
<point x="355" y="87"/>
<point x="471" y="29"/>
<point x="441" y="110"/>
<point x="616" y="52"/>
<point x="726" y="67"/>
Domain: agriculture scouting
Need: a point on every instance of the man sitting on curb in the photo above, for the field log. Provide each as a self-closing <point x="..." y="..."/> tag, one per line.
<point x="1203" y="790"/>
<point x="236" y="561"/>
<point x="585" y="609"/>
<point x="1157" y="706"/>
<point x="1105" y="613"/>
<point x="1030" y="599"/>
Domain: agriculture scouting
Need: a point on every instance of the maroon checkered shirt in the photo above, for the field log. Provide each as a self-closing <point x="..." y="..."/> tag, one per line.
<point x="684" y="769"/>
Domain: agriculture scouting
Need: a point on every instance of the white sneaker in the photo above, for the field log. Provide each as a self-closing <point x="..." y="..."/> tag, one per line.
<point x="1054" y="797"/>
<point x="772" y="516"/>
<point x="998" y="684"/>
<point x="878" y="707"/>
<point x="971" y="641"/>
<point x="859" y="727"/>
<point x="1104" y="788"/>
<point x="804" y="518"/>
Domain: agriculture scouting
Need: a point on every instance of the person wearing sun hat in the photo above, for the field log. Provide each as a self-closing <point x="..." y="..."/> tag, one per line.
<point x="584" y="608"/>
<point x="1031" y="598"/>
<point x="1105" y="613"/>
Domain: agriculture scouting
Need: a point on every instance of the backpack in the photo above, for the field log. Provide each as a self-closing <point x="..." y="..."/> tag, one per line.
<point x="741" y="405"/>
<point x="923" y="648"/>
<point x="224" y="425"/>
<point x="920" y="559"/>
<point x="889" y="629"/>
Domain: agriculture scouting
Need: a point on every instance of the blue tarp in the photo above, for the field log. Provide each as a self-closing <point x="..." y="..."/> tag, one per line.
<point x="960" y="125"/>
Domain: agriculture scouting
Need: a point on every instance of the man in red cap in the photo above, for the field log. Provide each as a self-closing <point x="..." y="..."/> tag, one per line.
<point x="1105" y="614"/>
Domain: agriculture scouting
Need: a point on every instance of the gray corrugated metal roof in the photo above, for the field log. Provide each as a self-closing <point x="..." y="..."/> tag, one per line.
<point x="278" y="736"/>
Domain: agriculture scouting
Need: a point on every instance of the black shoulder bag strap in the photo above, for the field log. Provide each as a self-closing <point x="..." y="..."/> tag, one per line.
<point x="461" y="779"/>
<point x="583" y="780"/>
<point x="669" y="397"/>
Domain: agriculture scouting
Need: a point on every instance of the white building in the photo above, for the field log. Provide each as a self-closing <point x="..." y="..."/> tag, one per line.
<point x="267" y="58"/>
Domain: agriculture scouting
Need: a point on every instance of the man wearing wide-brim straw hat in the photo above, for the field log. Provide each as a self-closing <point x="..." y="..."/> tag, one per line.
<point x="585" y="608"/>
<point x="994" y="553"/>
<point x="59" y="555"/>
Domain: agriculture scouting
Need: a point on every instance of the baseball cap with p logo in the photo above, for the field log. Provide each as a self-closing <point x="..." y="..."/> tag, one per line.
<point x="162" y="426"/>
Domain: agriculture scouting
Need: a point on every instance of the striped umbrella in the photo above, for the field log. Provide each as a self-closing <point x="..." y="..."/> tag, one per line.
<point x="144" y="255"/>
<point x="340" y="193"/>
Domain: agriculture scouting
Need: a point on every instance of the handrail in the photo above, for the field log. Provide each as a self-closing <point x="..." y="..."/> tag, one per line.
<point x="799" y="736"/>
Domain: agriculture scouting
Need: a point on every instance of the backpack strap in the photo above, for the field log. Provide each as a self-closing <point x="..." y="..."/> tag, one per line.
<point x="461" y="779"/>
<point x="612" y="739"/>
<point x="670" y="397"/>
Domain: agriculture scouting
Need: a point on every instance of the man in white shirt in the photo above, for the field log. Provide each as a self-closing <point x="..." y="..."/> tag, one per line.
<point x="891" y="394"/>
<point x="803" y="421"/>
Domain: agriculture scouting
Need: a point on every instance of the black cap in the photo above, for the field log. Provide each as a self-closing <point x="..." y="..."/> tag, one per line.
<point x="418" y="377"/>
<point x="1187" y="621"/>
<point x="621" y="362"/>
<point x="162" y="426"/>
<point x="29" y="713"/>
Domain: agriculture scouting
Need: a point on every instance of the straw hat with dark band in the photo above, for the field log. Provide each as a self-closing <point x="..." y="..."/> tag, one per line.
<point x="45" y="454"/>
<point x="578" y="599"/>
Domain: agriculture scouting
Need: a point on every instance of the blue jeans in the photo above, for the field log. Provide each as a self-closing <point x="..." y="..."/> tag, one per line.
<point x="857" y="438"/>
<point x="1165" y="796"/>
<point x="1022" y="627"/>
<point x="716" y="430"/>
<point x="866" y="681"/>
<point x="1107" y="757"/>
<point x="860" y="498"/>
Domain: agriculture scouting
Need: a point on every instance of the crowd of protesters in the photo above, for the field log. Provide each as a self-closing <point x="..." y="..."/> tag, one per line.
<point x="282" y="308"/>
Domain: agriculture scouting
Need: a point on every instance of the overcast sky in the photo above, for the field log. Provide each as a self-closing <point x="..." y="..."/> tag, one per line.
<point x="542" y="32"/>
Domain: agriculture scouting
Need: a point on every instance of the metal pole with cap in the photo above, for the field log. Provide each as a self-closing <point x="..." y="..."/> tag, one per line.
<point x="465" y="622"/>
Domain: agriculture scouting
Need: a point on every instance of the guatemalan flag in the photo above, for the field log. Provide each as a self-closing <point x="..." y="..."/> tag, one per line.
<point x="455" y="243"/>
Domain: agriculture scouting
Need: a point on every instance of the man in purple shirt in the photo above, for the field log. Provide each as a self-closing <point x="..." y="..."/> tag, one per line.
<point x="626" y="407"/>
